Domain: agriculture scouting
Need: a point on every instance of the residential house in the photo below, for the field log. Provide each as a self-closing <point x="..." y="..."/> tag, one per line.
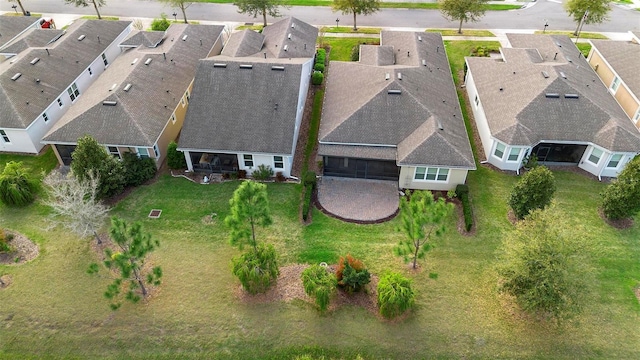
<point x="617" y="63"/>
<point x="138" y="105"/>
<point x="395" y="115"/>
<point x="13" y="28"/>
<point x="247" y="103"/>
<point x="542" y="97"/>
<point x="39" y="84"/>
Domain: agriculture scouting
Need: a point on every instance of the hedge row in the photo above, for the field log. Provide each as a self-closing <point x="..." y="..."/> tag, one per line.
<point x="462" y="192"/>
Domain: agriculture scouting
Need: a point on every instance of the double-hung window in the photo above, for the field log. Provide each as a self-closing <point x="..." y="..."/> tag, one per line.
<point x="615" y="84"/>
<point x="5" y="137"/>
<point x="614" y="161"/>
<point x="248" y="160"/>
<point x="113" y="151"/>
<point x="143" y="153"/>
<point x="104" y="59"/>
<point x="45" y="117"/>
<point x="499" y="151"/>
<point x="278" y="162"/>
<point x="60" y="102"/>
<point x="73" y="92"/>
<point x="156" y="151"/>
<point x="595" y="156"/>
<point x="431" y="174"/>
<point x="514" y="154"/>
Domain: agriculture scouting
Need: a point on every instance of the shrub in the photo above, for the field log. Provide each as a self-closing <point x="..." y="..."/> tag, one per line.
<point x="321" y="55"/>
<point x="310" y="178"/>
<point x="263" y="172"/>
<point x="175" y="158"/>
<point x="320" y="284"/>
<point x="530" y="161"/>
<point x="306" y="201"/>
<point x="395" y="295"/>
<point x="240" y="174"/>
<point x="256" y="269"/>
<point x="534" y="191"/>
<point x="89" y="157"/>
<point x="317" y="78"/>
<point x="351" y="274"/>
<point x="621" y="198"/>
<point x="461" y="189"/>
<point x="462" y="192"/>
<point x="355" y="53"/>
<point x="4" y="238"/>
<point x="161" y="24"/>
<point x="17" y="187"/>
<point x="137" y="170"/>
<point x="319" y="67"/>
<point x="280" y="177"/>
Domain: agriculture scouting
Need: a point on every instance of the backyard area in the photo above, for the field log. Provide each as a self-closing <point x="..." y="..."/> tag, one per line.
<point x="54" y="309"/>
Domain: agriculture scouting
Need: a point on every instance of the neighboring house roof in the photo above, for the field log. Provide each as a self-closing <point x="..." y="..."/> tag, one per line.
<point x="624" y="58"/>
<point x="141" y="112"/>
<point x="145" y="38"/>
<point x="32" y="39"/>
<point x="287" y="38"/>
<point x="24" y="99"/>
<point x="12" y="26"/>
<point x="408" y="107"/>
<point x="245" y="106"/>
<point x="517" y="96"/>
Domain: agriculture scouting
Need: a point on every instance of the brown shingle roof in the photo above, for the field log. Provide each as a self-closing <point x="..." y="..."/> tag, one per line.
<point x="624" y="57"/>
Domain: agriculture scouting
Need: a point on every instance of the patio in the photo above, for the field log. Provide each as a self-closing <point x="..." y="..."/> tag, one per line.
<point x="214" y="163"/>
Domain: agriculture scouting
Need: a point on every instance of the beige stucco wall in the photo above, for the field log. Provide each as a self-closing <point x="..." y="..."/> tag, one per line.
<point x="626" y="100"/>
<point x="456" y="176"/>
<point x="171" y="130"/>
<point x="606" y="74"/>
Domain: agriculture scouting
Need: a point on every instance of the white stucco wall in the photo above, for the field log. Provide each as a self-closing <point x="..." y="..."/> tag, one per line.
<point x="258" y="159"/>
<point x="406" y="180"/>
<point x="600" y="169"/>
<point x="305" y="78"/>
<point x="479" y="116"/>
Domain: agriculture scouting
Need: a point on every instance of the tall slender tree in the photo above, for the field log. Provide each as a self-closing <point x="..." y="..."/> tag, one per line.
<point x="356" y="7"/>
<point x="24" y="12"/>
<point x="84" y="3"/>
<point x="249" y="208"/>
<point x="587" y="12"/>
<point x="180" y="4"/>
<point x="260" y="7"/>
<point x="462" y="10"/>
<point x="421" y="218"/>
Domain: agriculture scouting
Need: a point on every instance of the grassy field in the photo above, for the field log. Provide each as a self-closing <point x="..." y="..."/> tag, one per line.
<point x="46" y="162"/>
<point x="583" y="34"/>
<point x="465" y="32"/>
<point x="54" y="309"/>
<point x="584" y="48"/>
<point x="341" y="47"/>
<point x="349" y="30"/>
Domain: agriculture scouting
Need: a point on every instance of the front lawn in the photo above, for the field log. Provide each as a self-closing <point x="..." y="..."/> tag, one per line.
<point x="36" y="164"/>
<point x="465" y="32"/>
<point x="341" y="47"/>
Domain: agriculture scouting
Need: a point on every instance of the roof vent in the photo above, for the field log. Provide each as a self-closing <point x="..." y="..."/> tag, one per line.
<point x="552" y="95"/>
<point x="246" y="66"/>
<point x="134" y="61"/>
<point x="286" y="47"/>
<point x="279" y="68"/>
<point x="571" y="96"/>
<point x="440" y="125"/>
<point x="387" y="76"/>
<point x="545" y="74"/>
<point x="564" y="76"/>
<point x="184" y="38"/>
<point x="81" y="37"/>
<point x="219" y="65"/>
<point x="34" y="61"/>
<point x="148" y="61"/>
<point x="394" y="92"/>
<point x="293" y="25"/>
<point x="113" y="87"/>
<point x="127" y="87"/>
<point x="16" y="76"/>
<point x="419" y="38"/>
<point x="424" y="62"/>
<point x="109" y="103"/>
<point x="569" y="59"/>
<point x="289" y="36"/>
<point x="399" y="76"/>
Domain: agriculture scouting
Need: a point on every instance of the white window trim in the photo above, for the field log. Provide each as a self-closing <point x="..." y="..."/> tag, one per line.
<point x="60" y="103"/>
<point x="184" y="103"/>
<point x="141" y="155"/>
<point x="426" y="170"/>
<point x="244" y="161"/>
<point x="90" y="71"/>
<point x="173" y="118"/>
<point x="156" y="151"/>
<point x="591" y="153"/>
<point x="476" y="101"/>
<point x="509" y="153"/>
<point x="187" y="95"/>
<point x="110" y="153"/>
<point x="493" y="153"/>
<point x="615" y="86"/>
<point x="274" y="162"/>
<point x="5" y="137"/>
<point x="45" y="117"/>
<point x="619" y="161"/>
<point x="105" y="61"/>
<point x="636" y="117"/>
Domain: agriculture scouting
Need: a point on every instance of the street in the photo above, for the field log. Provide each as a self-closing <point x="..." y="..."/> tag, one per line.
<point x="533" y="17"/>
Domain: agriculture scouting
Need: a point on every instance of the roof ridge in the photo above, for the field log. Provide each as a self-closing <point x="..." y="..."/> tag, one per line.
<point x="131" y="118"/>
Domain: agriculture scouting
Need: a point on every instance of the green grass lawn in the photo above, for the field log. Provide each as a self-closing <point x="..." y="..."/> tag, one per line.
<point x="584" y="48"/>
<point x="95" y="17"/>
<point x="45" y="162"/>
<point x="54" y="309"/>
<point x="465" y="32"/>
<point x="583" y="34"/>
<point x="341" y="47"/>
<point x="403" y="5"/>
<point x="349" y="30"/>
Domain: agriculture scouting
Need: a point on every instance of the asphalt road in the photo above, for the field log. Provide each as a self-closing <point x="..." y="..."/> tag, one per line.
<point x="533" y="17"/>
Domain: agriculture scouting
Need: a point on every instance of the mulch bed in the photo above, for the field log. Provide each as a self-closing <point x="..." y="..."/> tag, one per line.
<point x="619" y="224"/>
<point x="24" y="250"/>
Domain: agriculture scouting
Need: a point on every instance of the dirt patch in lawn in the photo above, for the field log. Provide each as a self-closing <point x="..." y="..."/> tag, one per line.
<point x="637" y="292"/>
<point x="289" y="287"/>
<point x="5" y="281"/>
<point x="22" y="250"/>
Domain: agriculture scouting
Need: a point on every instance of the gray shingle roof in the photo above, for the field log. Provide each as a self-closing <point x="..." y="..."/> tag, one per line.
<point x="298" y="37"/>
<point x="624" y="57"/>
<point x="142" y="112"/>
<point x="379" y="55"/>
<point x="243" y="109"/>
<point x="31" y="39"/>
<point x="22" y="100"/>
<point x="243" y="43"/>
<point x="145" y="38"/>
<point x="518" y="111"/>
<point x="12" y="26"/>
<point x="403" y="105"/>
<point x="358" y="151"/>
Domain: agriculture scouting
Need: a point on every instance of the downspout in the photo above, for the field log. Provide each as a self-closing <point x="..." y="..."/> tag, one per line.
<point x="603" y="166"/>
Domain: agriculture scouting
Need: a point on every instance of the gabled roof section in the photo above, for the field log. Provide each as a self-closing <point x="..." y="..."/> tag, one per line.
<point x="379" y="55"/>
<point x="146" y="92"/>
<point x="243" y="105"/>
<point x="289" y="38"/>
<point x="559" y="99"/>
<point x="624" y="58"/>
<point x="33" y="38"/>
<point x="149" y="39"/>
<point x="244" y="43"/>
<point x="12" y="26"/>
<point x="59" y="65"/>
<point x="411" y="105"/>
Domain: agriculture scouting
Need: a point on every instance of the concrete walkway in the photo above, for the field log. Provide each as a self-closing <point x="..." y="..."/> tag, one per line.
<point x="358" y="200"/>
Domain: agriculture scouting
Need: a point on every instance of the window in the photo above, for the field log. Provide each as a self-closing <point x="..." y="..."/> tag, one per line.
<point x="183" y="102"/>
<point x="637" y="117"/>
<point x="278" y="162"/>
<point x="615" y="161"/>
<point x="173" y="118"/>
<point x="113" y="150"/>
<point x="431" y="174"/>
<point x="60" y="102"/>
<point x="73" y="92"/>
<point x="156" y="151"/>
<point x="499" y="151"/>
<point x="5" y="137"/>
<point x="615" y="84"/>
<point x="514" y="154"/>
<point x="477" y="101"/>
<point x="143" y="153"/>
<point x="248" y="160"/>
<point x="188" y="96"/>
<point x="595" y="156"/>
<point x="104" y="59"/>
<point x="90" y="72"/>
<point x="45" y="117"/>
